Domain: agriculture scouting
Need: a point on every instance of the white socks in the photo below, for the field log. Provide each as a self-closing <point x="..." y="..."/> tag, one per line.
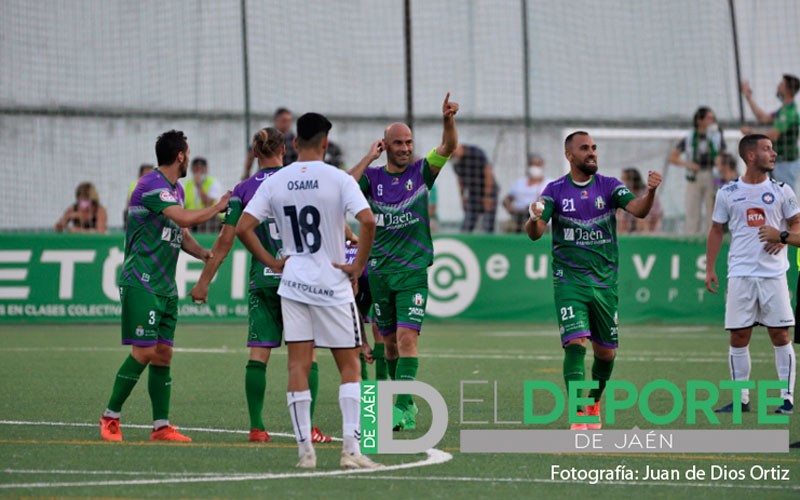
<point x="786" y="367"/>
<point x="350" y="404"/>
<point x="300" y="412"/>
<point x="739" y="362"/>
<point x="115" y="414"/>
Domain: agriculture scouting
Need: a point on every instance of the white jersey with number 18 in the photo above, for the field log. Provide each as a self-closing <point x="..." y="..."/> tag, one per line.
<point x="309" y="201"/>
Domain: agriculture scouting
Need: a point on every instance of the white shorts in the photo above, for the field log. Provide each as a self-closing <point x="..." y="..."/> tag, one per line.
<point x="758" y="301"/>
<point x="333" y="327"/>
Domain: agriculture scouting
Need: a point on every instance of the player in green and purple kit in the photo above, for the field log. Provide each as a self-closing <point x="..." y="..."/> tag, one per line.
<point x="582" y="206"/>
<point x="265" y="330"/>
<point x="403" y="248"/>
<point x="156" y="232"/>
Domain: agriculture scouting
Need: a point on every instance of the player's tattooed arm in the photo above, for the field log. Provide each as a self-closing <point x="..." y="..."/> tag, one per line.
<point x="245" y="231"/>
<point x="222" y="246"/>
<point x="193" y="248"/>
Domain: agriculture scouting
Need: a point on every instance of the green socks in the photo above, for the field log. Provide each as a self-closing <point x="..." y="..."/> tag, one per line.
<point x="126" y="379"/>
<point x="601" y="371"/>
<point x="574" y="369"/>
<point x="313" y="385"/>
<point x="364" y="374"/>
<point x="381" y="370"/>
<point x="255" y="387"/>
<point x="406" y="371"/>
<point x="391" y="365"/>
<point x="159" y="386"/>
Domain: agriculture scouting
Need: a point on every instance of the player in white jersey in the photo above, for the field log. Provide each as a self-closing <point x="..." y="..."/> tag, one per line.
<point x="308" y="201"/>
<point x="758" y="293"/>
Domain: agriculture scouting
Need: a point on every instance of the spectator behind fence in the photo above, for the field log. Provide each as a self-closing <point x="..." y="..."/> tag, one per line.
<point x="697" y="153"/>
<point x="335" y="156"/>
<point x="433" y="216"/>
<point x="202" y="191"/>
<point x="86" y="215"/>
<point x="627" y="223"/>
<point x="525" y="191"/>
<point x="785" y="128"/>
<point x="477" y="186"/>
<point x="283" y="122"/>
<point x="727" y="170"/>
<point x="144" y="169"/>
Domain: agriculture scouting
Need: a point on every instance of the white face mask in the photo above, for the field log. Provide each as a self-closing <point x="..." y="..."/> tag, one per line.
<point x="535" y="172"/>
<point x="713" y="128"/>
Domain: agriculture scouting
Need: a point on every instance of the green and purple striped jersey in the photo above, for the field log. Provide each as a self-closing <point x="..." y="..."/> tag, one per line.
<point x="152" y="240"/>
<point x="585" y="249"/>
<point x="400" y="204"/>
<point x="260" y="275"/>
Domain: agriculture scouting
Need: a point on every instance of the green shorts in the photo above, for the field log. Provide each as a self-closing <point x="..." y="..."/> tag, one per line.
<point x="585" y="311"/>
<point x="399" y="299"/>
<point x="147" y="319"/>
<point x="266" y="321"/>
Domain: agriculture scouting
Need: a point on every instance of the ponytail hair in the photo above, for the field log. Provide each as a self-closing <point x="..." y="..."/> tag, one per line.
<point x="268" y="142"/>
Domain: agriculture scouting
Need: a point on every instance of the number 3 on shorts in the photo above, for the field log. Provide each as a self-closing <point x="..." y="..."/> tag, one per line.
<point x="152" y="320"/>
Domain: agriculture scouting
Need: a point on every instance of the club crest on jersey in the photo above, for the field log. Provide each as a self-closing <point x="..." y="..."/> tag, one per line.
<point x="409" y="185"/>
<point x="167" y="196"/>
<point x="418" y="300"/>
<point x="756" y="217"/>
<point x="599" y="203"/>
<point x="768" y="198"/>
<point x="139" y="331"/>
<point x="584" y="195"/>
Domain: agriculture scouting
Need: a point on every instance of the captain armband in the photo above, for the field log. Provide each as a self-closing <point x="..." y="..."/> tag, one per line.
<point x="435" y="159"/>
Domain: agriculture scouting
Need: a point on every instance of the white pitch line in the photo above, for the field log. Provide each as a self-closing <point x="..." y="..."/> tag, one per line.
<point x="141" y="426"/>
<point x="586" y="483"/>
<point x="629" y="355"/>
<point x="547" y="357"/>
<point x="115" y="473"/>
<point x="434" y="457"/>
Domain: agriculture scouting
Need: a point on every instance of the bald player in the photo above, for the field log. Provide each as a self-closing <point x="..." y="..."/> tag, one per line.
<point x="403" y="248"/>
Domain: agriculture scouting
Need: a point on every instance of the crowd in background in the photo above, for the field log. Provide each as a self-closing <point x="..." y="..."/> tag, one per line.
<point x="702" y="152"/>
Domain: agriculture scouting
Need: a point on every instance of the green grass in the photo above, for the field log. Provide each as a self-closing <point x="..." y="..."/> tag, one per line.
<point x="63" y="374"/>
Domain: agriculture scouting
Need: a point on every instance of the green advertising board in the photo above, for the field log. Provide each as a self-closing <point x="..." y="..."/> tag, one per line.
<point x="73" y="278"/>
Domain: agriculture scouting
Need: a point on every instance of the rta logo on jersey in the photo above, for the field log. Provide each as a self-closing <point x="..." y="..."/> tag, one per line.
<point x="756" y="217"/>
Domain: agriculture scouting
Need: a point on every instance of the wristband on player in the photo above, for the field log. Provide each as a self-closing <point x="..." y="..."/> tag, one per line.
<point x="436" y="159"/>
